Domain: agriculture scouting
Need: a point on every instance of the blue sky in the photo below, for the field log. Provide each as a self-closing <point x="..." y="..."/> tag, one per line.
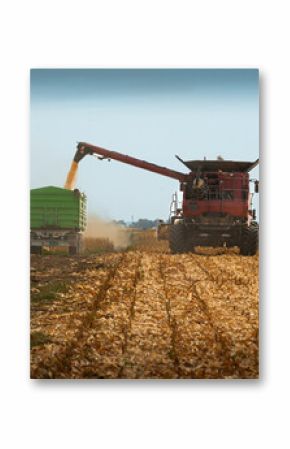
<point x="150" y="114"/>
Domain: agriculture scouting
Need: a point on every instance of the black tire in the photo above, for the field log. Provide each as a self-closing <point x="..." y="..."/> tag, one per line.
<point x="178" y="242"/>
<point x="36" y="250"/>
<point x="250" y="240"/>
<point x="72" y="250"/>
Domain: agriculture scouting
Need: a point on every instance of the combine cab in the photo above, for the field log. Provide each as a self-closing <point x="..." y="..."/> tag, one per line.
<point x="217" y="203"/>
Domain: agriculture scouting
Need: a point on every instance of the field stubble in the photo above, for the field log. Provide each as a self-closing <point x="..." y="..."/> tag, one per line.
<point x="144" y="313"/>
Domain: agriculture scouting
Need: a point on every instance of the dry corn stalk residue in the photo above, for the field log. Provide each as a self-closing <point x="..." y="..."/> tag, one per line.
<point x="145" y="314"/>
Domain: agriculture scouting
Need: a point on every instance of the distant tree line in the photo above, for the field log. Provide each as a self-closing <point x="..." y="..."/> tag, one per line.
<point x="142" y="223"/>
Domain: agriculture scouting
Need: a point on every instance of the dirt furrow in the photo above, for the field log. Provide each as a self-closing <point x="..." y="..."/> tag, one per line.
<point x="100" y="353"/>
<point x="197" y="348"/>
<point x="149" y="345"/>
<point x="232" y="307"/>
<point x="53" y="360"/>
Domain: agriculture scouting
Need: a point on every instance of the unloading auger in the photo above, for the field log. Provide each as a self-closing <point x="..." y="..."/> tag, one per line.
<point x="217" y="202"/>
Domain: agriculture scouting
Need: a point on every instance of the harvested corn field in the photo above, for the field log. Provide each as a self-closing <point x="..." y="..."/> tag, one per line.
<point x="144" y="314"/>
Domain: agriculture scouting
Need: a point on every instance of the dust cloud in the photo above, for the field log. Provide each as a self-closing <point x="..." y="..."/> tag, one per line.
<point x="101" y="229"/>
<point x="71" y="176"/>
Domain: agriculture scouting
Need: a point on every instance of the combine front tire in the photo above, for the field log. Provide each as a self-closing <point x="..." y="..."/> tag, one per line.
<point x="177" y="239"/>
<point x="249" y="244"/>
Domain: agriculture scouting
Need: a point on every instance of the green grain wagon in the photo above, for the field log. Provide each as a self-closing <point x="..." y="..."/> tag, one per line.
<point x="58" y="217"/>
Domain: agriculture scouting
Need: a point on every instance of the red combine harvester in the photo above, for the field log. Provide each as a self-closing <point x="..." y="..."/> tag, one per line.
<point x="217" y="203"/>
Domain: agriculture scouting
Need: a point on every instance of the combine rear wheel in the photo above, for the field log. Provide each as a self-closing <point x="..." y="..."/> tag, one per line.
<point x="178" y="242"/>
<point x="249" y="244"/>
